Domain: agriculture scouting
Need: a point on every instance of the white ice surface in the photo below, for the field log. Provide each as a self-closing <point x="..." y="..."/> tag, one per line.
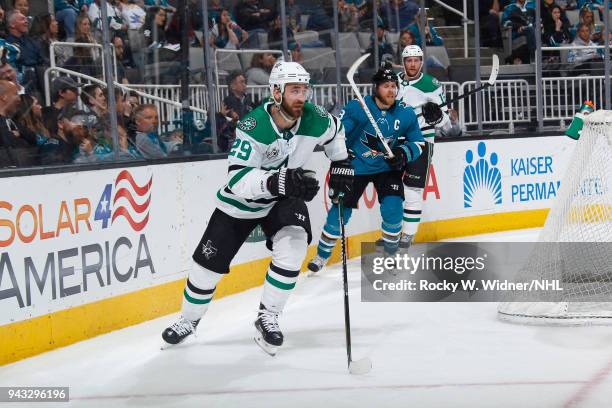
<point x="423" y="354"/>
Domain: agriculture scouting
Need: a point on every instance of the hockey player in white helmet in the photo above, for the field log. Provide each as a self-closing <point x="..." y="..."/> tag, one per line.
<point x="424" y="93"/>
<point x="267" y="186"/>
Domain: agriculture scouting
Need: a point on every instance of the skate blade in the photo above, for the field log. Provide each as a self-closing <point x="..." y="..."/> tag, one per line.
<point x="268" y="348"/>
<point x="362" y="366"/>
<point x="166" y="346"/>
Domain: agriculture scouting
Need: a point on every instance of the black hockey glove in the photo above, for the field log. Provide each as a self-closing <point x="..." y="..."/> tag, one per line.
<point x="341" y="175"/>
<point x="398" y="161"/>
<point x="298" y="183"/>
<point x="432" y="113"/>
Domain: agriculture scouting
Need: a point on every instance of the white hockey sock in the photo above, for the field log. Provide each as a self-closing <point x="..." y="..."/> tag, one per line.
<point x="413" y="206"/>
<point x="199" y="291"/>
<point x="289" y="249"/>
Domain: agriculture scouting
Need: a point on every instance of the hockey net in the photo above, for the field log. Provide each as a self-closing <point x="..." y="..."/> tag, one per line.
<point x="582" y="213"/>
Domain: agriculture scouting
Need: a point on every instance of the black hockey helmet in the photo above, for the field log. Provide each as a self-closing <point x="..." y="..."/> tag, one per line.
<point x="385" y="73"/>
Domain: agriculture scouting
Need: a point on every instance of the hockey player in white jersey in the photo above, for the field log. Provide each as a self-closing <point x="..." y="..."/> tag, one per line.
<point x="267" y="186"/>
<point x="423" y="93"/>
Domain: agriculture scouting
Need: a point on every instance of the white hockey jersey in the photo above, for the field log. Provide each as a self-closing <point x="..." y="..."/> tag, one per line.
<point x="261" y="148"/>
<point x="416" y="93"/>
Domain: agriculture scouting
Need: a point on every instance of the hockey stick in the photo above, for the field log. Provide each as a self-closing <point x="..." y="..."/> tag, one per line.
<point x="350" y="76"/>
<point x="490" y="82"/>
<point x="363" y="365"/>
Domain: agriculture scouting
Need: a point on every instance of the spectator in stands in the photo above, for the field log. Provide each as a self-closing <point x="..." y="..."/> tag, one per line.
<point x="431" y="35"/>
<point x="12" y="145"/>
<point x="275" y="34"/>
<point x="556" y="30"/>
<point x="83" y="29"/>
<point x="64" y="93"/>
<point x="405" y="9"/>
<point x="583" y="57"/>
<point x="30" y="56"/>
<point x="45" y="30"/>
<point x="294" y="16"/>
<point x="94" y="98"/>
<point x="127" y="150"/>
<point x="133" y="14"/>
<point x="238" y="102"/>
<point x="65" y="137"/>
<point x="124" y="60"/>
<point x="214" y="11"/>
<point x="115" y="19"/>
<point x="8" y="73"/>
<point x="586" y="17"/>
<point x="148" y="141"/>
<point x="83" y="62"/>
<point x="253" y="18"/>
<point x="296" y="52"/>
<point x="66" y="12"/>
<point x="546" y="11"/>
<point x="348" y="15"/>
<point x="29" y="121"/>
<point x="155" y="36"/>
<point x="123" y="109"/>
<point x="520" y="18"/>
<point x="227" y="33"/>
<point x="23" y="6"/>
<point x="2" y="23"/>
<point x="385" y="49"/>
<point x="261" y="65"/>
<point x="490" y="29"/>
<point x="159" y="3"/>
<point x="406" y="38"/>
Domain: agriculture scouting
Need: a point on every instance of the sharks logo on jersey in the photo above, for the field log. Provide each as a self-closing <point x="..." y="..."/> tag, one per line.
<point x="372" y="142"/>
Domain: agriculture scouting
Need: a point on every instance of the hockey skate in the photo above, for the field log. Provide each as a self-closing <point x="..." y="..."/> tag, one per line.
<point x="406" y="241"/>
<point x="316" y="264"/>
<point x="179" y="331"/>
<point x="268" y="335"/>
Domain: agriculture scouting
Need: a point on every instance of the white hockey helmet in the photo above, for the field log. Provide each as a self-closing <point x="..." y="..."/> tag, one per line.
<point x="286" y="72"/>
<point x="412" y="51"/>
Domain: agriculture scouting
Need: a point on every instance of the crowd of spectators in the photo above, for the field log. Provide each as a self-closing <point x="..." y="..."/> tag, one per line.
<point x="146" y="39"/>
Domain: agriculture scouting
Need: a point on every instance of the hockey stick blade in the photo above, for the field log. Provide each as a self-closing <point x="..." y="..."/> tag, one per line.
<point x="361" y="366"/>
<point x="494" y="70"/>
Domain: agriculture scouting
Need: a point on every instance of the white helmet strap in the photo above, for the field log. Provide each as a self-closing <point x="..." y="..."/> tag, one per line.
<point x="279" y="104"/>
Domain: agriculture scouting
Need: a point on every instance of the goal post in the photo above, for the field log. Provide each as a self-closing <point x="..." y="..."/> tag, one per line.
<point x="574" y="244"/>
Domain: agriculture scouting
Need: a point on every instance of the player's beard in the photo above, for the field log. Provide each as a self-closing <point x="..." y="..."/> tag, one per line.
<point x="385" y="97"/>
<point x="294" y="110"/>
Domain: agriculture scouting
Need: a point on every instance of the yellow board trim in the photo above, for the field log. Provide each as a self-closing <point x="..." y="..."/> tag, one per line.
<point x="34" y="336"/>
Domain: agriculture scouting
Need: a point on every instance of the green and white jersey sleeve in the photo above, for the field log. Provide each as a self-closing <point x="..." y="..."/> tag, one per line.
<point x="334" y="140"/>
<point x="419" y="91"/>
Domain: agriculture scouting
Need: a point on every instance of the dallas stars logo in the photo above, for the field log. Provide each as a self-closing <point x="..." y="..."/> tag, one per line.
<point x="247" y="124"/>
<point x="209" y="250"/>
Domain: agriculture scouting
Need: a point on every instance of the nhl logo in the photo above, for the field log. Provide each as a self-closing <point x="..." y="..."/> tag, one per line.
<point x="247" y="124"/>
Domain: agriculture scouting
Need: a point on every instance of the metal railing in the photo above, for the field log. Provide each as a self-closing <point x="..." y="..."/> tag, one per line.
<point x="55" y="44"/>
<point x="562" y="97"/>
<point x="166" y="100"/>
<point x="507" y="102"/>
<point x="465" y="21"/>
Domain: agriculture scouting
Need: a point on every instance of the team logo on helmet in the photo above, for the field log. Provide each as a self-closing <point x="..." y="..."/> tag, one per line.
<point x="247" y="124"/>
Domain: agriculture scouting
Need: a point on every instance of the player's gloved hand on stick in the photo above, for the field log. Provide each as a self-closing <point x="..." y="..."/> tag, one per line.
<point x="399" y="159"/>
<point x="298" y="183"/>
<point x="432" y="113"/>
<point x="341" y="175"/>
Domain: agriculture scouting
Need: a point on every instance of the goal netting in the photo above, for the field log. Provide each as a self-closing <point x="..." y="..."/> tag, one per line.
<point x="574" y="244"/>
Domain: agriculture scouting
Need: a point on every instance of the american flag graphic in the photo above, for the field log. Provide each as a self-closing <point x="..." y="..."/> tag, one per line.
<point x="133" y="200"/>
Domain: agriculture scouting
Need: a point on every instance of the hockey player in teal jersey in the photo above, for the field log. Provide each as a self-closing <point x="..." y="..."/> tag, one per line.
<point x="401" y="131"/>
